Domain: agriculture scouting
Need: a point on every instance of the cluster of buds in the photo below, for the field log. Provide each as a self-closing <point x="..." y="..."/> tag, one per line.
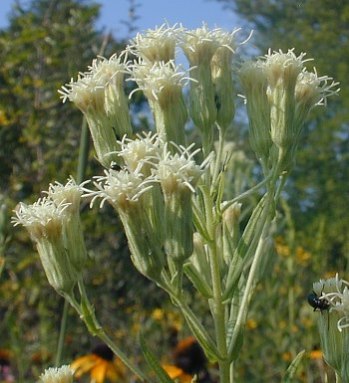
<point x="333" y="323"/>
<point x="152" y="195"/>
<point x="99" y="93"/>
<point x="280" y="93"/>
<point x="53" y="223"/>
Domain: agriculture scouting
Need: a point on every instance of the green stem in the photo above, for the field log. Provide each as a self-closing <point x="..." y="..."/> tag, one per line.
<point x="246" y="194"/>
<point x="218" y="160"/>
<point x="338" y="378"/>
<point x="218" y="314"/>
<point x="83" y="152"/>
<point x="86" y="312"/>
<point x="116" y="350"/>
<point x="62" y="331"/>
<point x="194" y="324"/>
<point x="241" y="317"/>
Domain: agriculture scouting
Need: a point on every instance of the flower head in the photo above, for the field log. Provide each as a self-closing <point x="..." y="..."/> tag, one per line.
<point x="178" y="171"/>
<point x="159" y="80"/>
<point x="141" y="153"/>
<point x="199" y="45"/>
<point x="63" y="374"/>
<point x="254" y="81"/>
<point x="311" y="91"/>
<point x="87" y="92"/>
<point x="70" y="193"/>
<point x="333" y="323"/>
<point x="221" y="68"/>
<point x="73" y="237"/>
<point x="280" y="92"/>
<point x="42" y="219"/>
<point x="283" y="67"/>
<point x="157" y="44"/>
<point x="120" y="188"/>
<point x="49" y="225"/>
<point x="162" y="84"/>
<point x="336" y="292"/>
<point x="178" y="175"/>
<point x="99" y="94"/>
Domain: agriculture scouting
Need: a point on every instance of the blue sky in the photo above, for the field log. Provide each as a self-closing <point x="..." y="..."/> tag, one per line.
<point x="191" y="13"/>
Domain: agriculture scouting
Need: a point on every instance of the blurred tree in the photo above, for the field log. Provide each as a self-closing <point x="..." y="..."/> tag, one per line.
<point x="318" y="189"/>
<point x="46" y="43"/>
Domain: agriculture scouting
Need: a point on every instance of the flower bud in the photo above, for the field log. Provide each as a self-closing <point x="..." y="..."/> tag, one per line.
<point x="178" y="175"/>
<point x="137" y="202"/>
<point x="99" y="94"/>
<point x="72" y="230"/>
<point x="157" y="44"/>
<point x="162" y="84"/>
<point x="45" y="222"/>
<point x="199" y="47"/>
<point x="254" y="82"/>
<point x="221" y="68"/>
<point x="282" y="70"/>
<point x="141" y="154"/>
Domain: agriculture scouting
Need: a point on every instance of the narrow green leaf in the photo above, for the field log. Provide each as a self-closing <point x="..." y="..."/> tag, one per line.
<point x="291" y="370"/>
<point x="200" y="333"/>
<point x="237" y="346"/>
<point x="199" y="218"/>
<point x="198" y="281"/>
<point x="246" y="247"/>
<point x="153" y="362"/>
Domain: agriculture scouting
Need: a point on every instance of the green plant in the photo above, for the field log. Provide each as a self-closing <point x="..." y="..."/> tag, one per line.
<point x="180" y="220"/>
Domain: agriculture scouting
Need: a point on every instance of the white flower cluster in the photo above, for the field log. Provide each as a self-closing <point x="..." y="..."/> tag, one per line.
<point x="147" y="160"/>
<point x="53" y="223"/>
<point x="63" y="374"/>
<point x="335" y="291"/>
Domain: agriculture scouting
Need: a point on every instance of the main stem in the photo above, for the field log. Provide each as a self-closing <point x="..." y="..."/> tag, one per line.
<point x="218" y="313"/>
